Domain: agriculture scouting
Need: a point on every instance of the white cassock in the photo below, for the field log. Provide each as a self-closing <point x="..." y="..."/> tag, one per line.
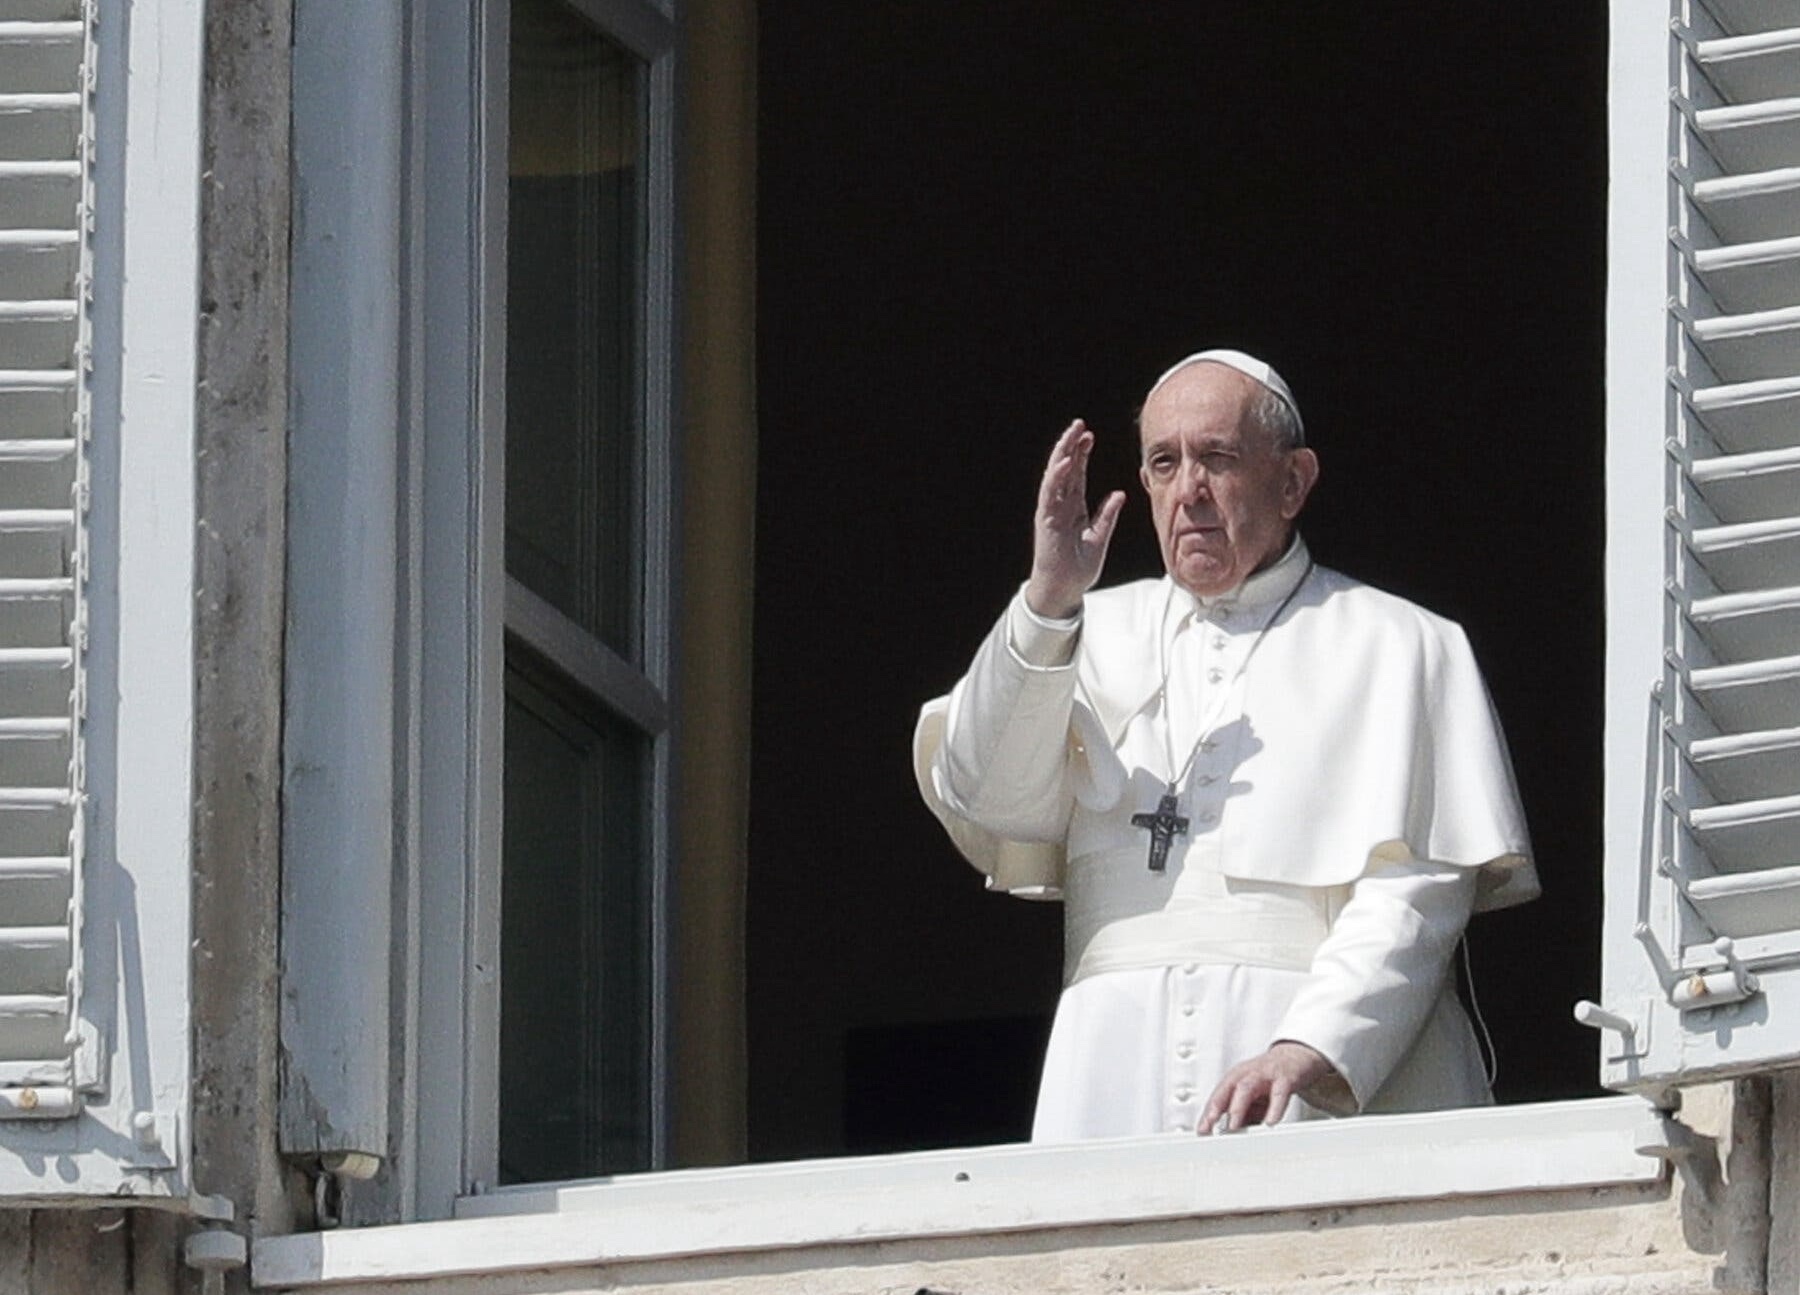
<point x="1349" y="802"/>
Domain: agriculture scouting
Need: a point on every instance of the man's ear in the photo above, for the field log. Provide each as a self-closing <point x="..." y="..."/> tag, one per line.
<point x="1302" y="476"/>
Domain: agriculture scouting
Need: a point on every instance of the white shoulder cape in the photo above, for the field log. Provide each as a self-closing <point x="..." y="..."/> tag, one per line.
<point x="1366" y="734"/>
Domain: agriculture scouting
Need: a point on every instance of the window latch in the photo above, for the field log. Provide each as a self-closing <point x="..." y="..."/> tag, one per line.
<point x="1732" y="983"/>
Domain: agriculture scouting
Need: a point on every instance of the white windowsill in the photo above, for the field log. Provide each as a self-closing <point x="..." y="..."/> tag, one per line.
<point x="1558" y="1145"/>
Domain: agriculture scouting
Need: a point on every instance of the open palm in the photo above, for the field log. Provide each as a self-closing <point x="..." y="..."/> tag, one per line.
<point x="1068" y="544"/>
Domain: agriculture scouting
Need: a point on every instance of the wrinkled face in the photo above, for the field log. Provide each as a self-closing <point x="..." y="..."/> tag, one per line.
<point x="1223" y="497"/>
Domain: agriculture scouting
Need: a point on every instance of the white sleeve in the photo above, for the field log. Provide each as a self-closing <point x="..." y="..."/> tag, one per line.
<point x="1377" y="975"/>
<point x="1004" y="764"/>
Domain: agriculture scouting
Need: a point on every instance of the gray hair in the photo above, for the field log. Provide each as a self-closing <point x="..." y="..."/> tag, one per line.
<point x="1276" y="419"/>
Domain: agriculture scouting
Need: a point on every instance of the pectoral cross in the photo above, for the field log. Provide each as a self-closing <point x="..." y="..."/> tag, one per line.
<point x="1164" y="825"/>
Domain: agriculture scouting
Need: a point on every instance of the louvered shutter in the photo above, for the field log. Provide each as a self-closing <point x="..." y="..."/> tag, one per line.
<point x="99" y="273"/>
<point x="1703" y="973"/>
<point x="44" y="268"/>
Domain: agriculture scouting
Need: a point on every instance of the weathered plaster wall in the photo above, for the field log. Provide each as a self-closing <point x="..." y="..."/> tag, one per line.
<point x="241" y="439"/>
<point x="1784" y="1185"/>
<point x="90" y="1252"/>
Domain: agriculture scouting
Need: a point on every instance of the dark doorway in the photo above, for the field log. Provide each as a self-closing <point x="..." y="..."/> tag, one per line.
<point x="978" y="220"/>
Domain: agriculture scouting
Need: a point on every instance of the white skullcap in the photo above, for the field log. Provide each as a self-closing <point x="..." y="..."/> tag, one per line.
<point x="1248" y="365"/>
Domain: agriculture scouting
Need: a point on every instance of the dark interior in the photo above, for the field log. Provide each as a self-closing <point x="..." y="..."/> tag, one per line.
<point x="978" y="220"/>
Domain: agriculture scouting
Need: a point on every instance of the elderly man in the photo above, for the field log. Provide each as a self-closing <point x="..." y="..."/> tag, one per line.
<point x="1269" y="796"/>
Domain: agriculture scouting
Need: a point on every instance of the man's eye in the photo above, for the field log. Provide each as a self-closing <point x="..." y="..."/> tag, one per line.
<point x="1218" y="461"/>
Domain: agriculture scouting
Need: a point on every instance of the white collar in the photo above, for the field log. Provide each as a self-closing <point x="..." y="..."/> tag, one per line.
<point x="1265" y="588"/>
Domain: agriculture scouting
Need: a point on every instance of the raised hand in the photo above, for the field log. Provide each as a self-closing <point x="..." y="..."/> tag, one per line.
<point x="1068" y="545"/>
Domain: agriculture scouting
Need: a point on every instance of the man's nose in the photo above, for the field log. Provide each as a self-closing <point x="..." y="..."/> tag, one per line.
<point x="1191" y="482"/>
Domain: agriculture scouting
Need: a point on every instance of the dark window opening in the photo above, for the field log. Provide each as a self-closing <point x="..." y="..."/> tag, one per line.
<point x="977" y="221"/>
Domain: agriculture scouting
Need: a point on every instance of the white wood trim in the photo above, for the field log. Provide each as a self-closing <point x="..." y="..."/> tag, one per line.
<point x="1556" y="1146"/>
<point x="340" y="654"/>
<point x="487" y="214"/>
<point x="447" y="1119"/>
<point x="481" y="236"/>
<point x="1639" y="272"/>
<point x="151" y="842"/>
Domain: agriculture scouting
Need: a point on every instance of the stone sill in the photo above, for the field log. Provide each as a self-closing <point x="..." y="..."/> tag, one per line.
<point x="987" y="1191"/>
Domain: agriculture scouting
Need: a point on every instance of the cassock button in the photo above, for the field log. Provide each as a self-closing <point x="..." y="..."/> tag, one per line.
<point x="1190" y="969"/>
<point x="1219" y="642"/>
<point x="1184" y="1094"/>
<point x="1185" y="1051"/>
<point x="1187" y="1009"/>
<point x="1214" y="676"/>
<point x="1207" y="779"/>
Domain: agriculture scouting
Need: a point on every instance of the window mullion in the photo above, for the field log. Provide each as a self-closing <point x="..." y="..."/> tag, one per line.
<point x="584" y="661"/>
<point x="640" y="26"/>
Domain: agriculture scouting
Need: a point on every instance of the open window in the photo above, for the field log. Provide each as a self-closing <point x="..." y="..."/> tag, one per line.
<point x="467" y="628"/>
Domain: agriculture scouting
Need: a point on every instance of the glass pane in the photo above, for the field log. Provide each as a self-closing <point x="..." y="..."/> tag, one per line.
<point x="575" y="948"/>
<point x="574" y="500"/>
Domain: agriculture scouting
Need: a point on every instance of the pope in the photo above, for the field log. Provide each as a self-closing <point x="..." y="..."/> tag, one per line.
<point x="1269" y="796"/>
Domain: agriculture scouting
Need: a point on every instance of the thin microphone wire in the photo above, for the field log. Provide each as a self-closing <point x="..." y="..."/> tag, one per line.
<point x="1490" y="1054"/>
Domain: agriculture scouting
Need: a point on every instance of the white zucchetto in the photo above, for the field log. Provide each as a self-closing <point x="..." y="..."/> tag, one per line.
<point x="1248" y="365"/>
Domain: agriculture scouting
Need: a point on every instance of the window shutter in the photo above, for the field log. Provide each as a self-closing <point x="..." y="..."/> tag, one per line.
<point x="44" y="272"/>
<point x="99" y="273"/>
<point x="1703" y="974"/>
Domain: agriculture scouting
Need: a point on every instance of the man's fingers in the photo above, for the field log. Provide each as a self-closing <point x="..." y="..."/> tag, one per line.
<point x="1072" y="446"/>
<point x="1210" y="1116"/>
<point x="1279" y="1093"/>
<point x="1244" y="1099"/>
<point x="1100" y="532"/>
<point x="1228" y="1107"/>
<point x="1245" y="1092"/>
<point x="1065" y="475"/>
<point x="1262" y="1087"/>
<point x="1072" y="470"/>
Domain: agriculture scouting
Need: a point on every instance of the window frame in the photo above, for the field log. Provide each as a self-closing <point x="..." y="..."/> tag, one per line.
<point x="453" y="585"/>
<point x="580" y="666"/>
<point x="457" y="273"/>
<point x="417" y="236"/>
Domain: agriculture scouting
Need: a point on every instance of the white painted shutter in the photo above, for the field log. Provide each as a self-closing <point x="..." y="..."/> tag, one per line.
<point x="99" y="315"/>
<point x="1703" y="957"/>
<point x="44" y="266"/>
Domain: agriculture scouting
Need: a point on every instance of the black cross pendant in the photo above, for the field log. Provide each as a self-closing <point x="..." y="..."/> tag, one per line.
<point x="1164" y="825"/>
